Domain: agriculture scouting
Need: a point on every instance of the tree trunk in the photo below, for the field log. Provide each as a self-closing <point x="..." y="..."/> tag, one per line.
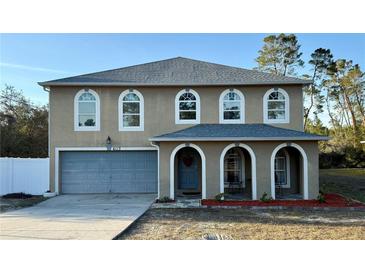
<point x="351" y="110"/>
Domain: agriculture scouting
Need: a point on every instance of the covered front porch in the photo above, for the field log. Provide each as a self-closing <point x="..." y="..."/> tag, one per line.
<point x="241" y="162"/>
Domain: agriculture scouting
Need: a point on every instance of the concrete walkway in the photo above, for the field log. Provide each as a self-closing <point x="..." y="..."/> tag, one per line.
<point x="75" y="217"/>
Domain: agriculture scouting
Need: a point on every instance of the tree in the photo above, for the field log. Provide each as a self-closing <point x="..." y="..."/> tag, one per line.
<point x="346" y="94"/>
<point x="23" y="126"/>
<point x="321" y="61"/>
<point x="280" y="55"/>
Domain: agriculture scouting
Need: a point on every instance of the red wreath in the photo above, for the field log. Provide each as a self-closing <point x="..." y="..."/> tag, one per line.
<point x="188" y="160"/>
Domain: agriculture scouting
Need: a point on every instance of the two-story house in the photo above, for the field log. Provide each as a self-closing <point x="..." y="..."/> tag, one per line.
<point x="181" y="127"/>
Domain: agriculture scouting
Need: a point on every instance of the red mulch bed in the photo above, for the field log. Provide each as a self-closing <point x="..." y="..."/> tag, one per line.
<point x="332" y="200"/>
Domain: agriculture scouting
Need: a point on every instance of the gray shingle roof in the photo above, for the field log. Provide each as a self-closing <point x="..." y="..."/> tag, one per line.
<point x="176" y="71"/>
<point x="236" y="132"/>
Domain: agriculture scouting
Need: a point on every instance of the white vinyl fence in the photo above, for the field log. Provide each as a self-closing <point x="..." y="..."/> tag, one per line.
<point x="26" y="175"/>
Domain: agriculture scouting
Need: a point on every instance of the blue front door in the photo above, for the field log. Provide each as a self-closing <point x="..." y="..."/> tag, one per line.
<point x="188" y="170"/>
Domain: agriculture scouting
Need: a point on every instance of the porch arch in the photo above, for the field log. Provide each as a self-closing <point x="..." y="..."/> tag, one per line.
<point x="305" y="168"/>
<point x="253" y="167"/>
<point x="172" y="168"/>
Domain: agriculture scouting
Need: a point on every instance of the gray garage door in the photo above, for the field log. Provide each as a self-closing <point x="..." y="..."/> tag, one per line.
<point x="105" y="172"/>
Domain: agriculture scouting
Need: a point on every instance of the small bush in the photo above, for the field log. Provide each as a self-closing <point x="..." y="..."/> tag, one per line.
<point x="164" y="199"/>
<point x="19" y="195"/>
<point x="219" y="197"/>
<point x="320" y="198"/>
<point x="265" y="198"/>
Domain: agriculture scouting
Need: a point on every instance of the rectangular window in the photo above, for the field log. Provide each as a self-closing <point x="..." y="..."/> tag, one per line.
<point x="187" y="106"/>
<point x="130" y="120"/>
<point x="232" y="115"/>
<point x="280" y="171"/>
<point x="276" y="105"/>
<point x="130" y="108"/>
<point x="187" y="115"/>
<point x="276" y="114"/>
<point x="87" y="114"/>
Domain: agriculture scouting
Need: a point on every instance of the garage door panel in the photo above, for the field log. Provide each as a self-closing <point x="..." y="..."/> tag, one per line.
<point x="104" y="172"/>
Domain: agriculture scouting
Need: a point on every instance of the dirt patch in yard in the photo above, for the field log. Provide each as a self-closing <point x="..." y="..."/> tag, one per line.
<point x="12" y="202"/>
<point x="262" y="224"/>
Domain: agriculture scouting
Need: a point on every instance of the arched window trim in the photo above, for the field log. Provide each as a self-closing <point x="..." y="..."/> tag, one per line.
<point x="286" y="109"/>
<point x="141" y="111"/>
<point x="76" y="112"/>
<point x="242" y="108"/>
<point x="177" y="108"/>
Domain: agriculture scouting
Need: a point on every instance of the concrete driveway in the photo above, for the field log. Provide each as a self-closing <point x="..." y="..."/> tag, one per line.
<point x="75" y="217"/>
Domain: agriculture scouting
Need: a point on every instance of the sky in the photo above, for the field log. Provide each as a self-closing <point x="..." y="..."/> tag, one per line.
<point x="26" y="59"/>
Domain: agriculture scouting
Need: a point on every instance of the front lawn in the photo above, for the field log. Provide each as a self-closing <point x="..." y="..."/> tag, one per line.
<point x="349" y="182"/>
<point x="262" y="224"/>
<point x="243" y="223"/>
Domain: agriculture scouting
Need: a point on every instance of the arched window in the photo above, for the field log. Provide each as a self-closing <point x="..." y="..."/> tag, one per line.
<point x="131" y="111"/>
<point x="86" y="111"/>
<point x="187" y="107"/>
<point x="276" y="106"/>
<point x="231" y="107"/>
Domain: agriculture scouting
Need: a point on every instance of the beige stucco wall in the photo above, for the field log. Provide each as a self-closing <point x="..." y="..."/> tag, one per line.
<point x="262" y="150"/>
<point x="159" y="113"/>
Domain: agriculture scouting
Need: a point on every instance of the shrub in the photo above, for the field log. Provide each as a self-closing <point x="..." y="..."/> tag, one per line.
<point x="18" y="195"/>
<point x="320" y="198"/>
<point x="164" y="199"/>
<point x="265" y="198"/>
<point x="219" y="197"/>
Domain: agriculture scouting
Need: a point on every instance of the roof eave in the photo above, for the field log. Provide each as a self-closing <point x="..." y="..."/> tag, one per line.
<point x="109" y="84"/>
<point x="166" y="139"/>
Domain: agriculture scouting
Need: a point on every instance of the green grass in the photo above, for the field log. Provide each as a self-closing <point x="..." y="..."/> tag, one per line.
<point x="344" y="172"/>
<point x="349" y="182"/>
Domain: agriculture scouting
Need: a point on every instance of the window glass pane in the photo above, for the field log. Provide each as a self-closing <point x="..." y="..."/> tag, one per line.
<point x="231" y="115"/>
<point x="87" y="96"/>
<point x="278" y="114"/>
<point x="280" y="163"/>
<point x="187" y="115"/>
<point x="232" y="176"/>
<point x="231" y="106"/>
<point x="187" y="106"/>
<point x="131" y="97"/>
<point x="87" y="120"/>
<point x="276" y="95"/>
<point x="187" y="97"/>
<point x="276" y="105"/>
<point x="131" y="120"/>
<point x="87" y="107"/>
<point x="280" y="178"/>
<point x="131" y="108"/>
<point x="232" y="166"/>
<point x="231" y="96"/>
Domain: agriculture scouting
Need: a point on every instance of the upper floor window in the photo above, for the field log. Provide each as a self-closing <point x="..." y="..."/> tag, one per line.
<point x="131" y="111"/>
<point x="187" y="107"/>
<point x="231" y="106"/>
<point x="276" y="106"/>
<point x="86" y="111"/>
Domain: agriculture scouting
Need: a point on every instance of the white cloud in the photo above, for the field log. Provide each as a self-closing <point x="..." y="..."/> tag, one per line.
<point x="25" y="67"/>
